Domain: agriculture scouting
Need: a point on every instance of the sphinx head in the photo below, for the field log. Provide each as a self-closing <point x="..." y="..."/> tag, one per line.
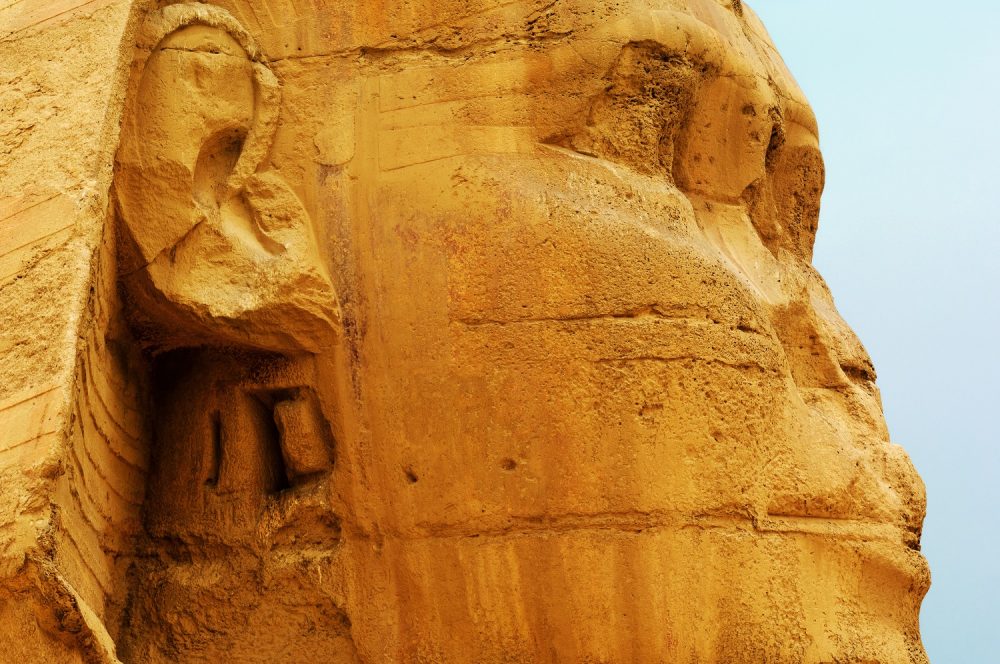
<point x="604" y="384"/>
<point x="596" y="402"/>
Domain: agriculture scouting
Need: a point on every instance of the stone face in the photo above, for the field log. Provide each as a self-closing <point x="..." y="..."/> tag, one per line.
<point x="430" y="332"/>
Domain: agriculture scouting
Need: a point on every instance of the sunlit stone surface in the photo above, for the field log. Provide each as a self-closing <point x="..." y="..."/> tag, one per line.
<point x="453" y="331"/>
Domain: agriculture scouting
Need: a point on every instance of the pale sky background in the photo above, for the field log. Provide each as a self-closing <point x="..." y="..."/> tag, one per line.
<point x="907" y="94"/>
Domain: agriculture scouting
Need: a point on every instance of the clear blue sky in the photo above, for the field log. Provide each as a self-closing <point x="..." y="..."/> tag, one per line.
<point x="908" y="100"/>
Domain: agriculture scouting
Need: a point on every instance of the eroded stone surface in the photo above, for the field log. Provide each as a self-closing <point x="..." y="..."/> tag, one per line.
<point x="430" y="332"/>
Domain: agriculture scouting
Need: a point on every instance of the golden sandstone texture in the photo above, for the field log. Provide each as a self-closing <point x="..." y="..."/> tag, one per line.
<point x="466" y="331"/>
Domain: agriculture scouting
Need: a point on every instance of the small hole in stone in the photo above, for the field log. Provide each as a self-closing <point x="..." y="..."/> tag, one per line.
<point x="508" y="464"/>
<point x="411" y="476"/>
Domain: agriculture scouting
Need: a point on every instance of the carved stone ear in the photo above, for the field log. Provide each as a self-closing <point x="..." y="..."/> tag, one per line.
<point x="219" y="248"/>
<point x="159" y="25"/>
<point x="146" y="188"/>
